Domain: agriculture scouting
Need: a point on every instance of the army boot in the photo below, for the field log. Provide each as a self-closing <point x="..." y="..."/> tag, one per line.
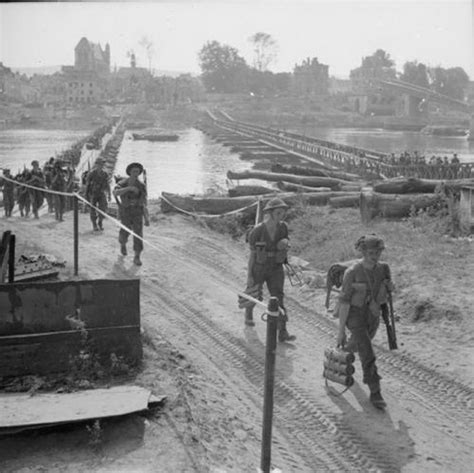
<point x="377" y="400"/>
<point x="123" y="249"/>
<point x="249" y="317"/>
<point x="136" y="260"/>
<point x="283" y="335"/>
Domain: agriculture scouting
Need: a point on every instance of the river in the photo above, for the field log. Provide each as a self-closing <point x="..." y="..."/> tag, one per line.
<point x="197" y="164"/>
<point x="386" y="141"/>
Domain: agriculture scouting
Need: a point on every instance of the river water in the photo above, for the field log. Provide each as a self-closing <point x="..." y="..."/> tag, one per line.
<point x="197" y="164"/>
<point x="396" y="142"/>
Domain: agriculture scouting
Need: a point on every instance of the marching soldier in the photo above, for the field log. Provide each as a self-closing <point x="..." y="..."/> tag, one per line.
<point x="133" y="209"/>
<point x="48" y="171"/>
<point x="8" y="193"/>
<point x="268" y="251"/>
<point x="23" y="195"/>
<point x="58" y="183"/>
<point x="36" y="179"/>
<point x="363" y="292"/>
<point x="97" y="192"/>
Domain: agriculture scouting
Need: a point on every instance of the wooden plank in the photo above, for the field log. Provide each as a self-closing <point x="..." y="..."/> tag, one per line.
<point x="55" y="352"/>
<point x="23" y="410"/>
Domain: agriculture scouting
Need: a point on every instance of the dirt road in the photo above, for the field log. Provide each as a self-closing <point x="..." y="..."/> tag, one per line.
<point x="215" y="374"/>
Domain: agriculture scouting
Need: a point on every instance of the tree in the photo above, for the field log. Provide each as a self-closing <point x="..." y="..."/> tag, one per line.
<point x="415" y="73"/>
<point x="147" y="44"/>
<point x="451" y="82"/>
<point x="265" y="49"/>
<point x="223" y="69"/>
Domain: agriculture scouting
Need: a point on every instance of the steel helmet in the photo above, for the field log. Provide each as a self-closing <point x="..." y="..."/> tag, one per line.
<point x="275" y="203"/>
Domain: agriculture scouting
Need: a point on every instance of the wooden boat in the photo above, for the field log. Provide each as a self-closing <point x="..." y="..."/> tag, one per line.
<point x="220" y="205"/>
<point x="154" y="137"/>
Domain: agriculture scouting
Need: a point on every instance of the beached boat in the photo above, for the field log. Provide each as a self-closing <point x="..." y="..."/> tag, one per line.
<point x="245" y="204"/>
<point x="154" y="137"/>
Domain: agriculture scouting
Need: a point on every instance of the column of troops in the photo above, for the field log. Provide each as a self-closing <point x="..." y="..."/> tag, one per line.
<point x="55" y="176"/>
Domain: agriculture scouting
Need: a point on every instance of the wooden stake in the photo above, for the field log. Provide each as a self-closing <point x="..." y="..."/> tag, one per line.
<point x="273" y="312"/>
<point x="76" y="235"/>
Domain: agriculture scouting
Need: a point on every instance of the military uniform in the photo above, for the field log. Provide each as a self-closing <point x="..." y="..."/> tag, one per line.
<point x="23" y="195"/>
<point x="132" y="211"/>
<point x="364" y="290"/>
<point x="36" y="179"/>
<point x="97" y="185"/>
<point x="58" y="183"/>
<point x="8" y="194"/>
<point x="363" y="293"/>
<point x="266" y="266"/>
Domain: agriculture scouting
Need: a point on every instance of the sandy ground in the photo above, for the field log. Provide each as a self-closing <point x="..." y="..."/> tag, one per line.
<point x="199" y="354"/>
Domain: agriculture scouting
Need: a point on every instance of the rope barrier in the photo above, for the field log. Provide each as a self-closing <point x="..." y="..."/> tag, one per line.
<point x="119" y="224"/>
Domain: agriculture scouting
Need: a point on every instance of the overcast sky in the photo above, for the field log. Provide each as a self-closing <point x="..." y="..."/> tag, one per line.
<point x="338" y="32"/>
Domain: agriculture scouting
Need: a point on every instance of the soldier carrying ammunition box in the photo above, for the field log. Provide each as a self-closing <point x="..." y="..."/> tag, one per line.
<point x="364" y="290"/>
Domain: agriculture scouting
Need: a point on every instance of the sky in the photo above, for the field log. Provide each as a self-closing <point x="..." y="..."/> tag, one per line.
<point x="339" y="33"/>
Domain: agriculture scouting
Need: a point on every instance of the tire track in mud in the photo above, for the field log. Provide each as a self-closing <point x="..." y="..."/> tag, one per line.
<point x="302" y="422"/>
<point x="446" y="396"/>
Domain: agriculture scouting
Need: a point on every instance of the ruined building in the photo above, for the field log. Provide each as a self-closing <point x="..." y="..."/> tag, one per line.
<point x="86" y="81"/>
<point x="311" y="78"/>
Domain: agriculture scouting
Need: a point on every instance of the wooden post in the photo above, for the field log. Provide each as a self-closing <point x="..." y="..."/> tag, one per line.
<point x="273" y="312"/>
<point x="11" y="259"/>
<point x="76" y="235"/>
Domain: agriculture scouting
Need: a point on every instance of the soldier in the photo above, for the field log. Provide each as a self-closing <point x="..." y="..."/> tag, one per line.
<point x="36" y="179"/>
<point x="58" y="183"/>
<point x="268" y="251"/>
<point x="97" y="192"/>
<point x="8" y="193"/>
<point x="133" y="209"/>
<point x="23" y="195"/>
<point x="48" y="170"/>
<point x="364" y="290"/>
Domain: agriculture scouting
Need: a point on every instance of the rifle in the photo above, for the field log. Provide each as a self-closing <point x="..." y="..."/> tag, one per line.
<point x="388" y="317"/>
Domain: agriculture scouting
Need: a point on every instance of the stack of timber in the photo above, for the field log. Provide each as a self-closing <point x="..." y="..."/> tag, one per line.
<point x="239" y="191"/>
<point x="311" y="181"/>
<point x="289" y="187"/>
<point x="397" y="198"/>
<point x="416" y="186"/>
<point x="310" y="171"/>
<point x="220" y="205"/>
<point x="351" y="199"/>
<point x="374" y="204"/>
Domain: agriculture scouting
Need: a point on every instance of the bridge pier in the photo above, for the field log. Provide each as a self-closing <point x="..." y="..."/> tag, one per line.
<point x="413" y="107"/>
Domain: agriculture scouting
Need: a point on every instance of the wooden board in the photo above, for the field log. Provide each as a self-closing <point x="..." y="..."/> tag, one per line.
<point x="21" y="410"/>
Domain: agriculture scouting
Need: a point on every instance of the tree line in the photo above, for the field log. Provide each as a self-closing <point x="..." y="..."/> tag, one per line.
<point x="223" y="69"/>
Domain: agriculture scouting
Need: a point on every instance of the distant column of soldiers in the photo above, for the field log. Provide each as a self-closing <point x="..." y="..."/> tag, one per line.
<point x="54" y="176"/>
